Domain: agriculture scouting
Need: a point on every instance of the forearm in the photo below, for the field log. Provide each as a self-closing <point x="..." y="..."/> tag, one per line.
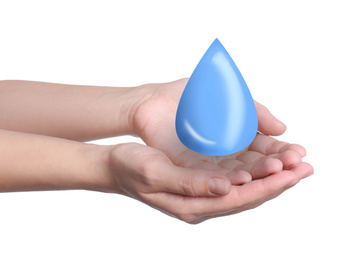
<point x="67" y="111"/>
<point x="33" y="162"/>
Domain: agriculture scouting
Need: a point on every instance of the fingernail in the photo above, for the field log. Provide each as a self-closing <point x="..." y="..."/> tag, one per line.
<point x="218" y="186"/>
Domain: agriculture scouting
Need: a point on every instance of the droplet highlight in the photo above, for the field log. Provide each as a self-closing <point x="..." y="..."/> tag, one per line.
<point x="216" y="114"/>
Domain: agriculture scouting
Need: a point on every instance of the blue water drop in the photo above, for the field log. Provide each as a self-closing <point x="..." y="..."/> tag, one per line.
<point x="216" y="114"/>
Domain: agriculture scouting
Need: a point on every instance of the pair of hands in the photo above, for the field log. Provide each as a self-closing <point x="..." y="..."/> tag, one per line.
<point x="194" y="187"/>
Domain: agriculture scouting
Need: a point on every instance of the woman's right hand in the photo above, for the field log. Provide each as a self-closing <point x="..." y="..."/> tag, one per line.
<point x="191" y="194"/>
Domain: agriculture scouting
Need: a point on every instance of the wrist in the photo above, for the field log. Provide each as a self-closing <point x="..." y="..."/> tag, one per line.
<point x="100" y="177"/>
<point x="129" y="102"/>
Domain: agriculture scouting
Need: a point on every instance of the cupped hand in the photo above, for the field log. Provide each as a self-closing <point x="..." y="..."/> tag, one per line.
<point x="154" y="122"/>
<point x="188" y="184"/>
<point x="189" y="194"/>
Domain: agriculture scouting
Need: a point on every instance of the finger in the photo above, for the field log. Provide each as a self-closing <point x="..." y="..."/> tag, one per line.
<point x="289" y="159"/>
<point x="235" y="177"/>
<point x="239" y="198"/>
<point x="268" y="145"/>
<point x="267" y="123"/>
<point x="303" y="170"/>
<point x="237" y="162"/>
<point x="263" y="167"/>
<point x="257" y="190"/>
<point x="239" y="177"/>
<point x="194" y="182"/>
<point x="295" y="147"/>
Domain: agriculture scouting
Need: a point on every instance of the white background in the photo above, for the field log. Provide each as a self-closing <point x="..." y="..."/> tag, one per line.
<point x="297" y="57"/>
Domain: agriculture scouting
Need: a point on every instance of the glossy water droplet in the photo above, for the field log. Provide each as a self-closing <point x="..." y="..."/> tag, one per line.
<point x="216" y="114"/>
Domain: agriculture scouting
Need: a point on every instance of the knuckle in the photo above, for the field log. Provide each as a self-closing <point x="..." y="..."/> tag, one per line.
<point x="149" y="173"/>
<point x="187" y="185"/>
<point x="150" y="170"/>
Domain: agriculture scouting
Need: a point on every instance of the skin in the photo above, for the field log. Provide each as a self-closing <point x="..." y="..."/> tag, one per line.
<point x="44" y="126"/>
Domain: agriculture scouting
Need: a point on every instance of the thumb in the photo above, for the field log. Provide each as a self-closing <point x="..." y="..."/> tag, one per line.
<point x="267" y="123"/>
<point x="195" y="182"/>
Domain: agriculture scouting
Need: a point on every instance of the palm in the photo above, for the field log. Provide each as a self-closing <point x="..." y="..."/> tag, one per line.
<point x="155" y="122"/>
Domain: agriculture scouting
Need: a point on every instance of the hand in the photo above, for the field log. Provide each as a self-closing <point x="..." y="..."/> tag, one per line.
<point x="181" y="176"/>
<point x="147" y="175"/>
<point x="154" y="121"/>
<point x="165" y="174"/>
